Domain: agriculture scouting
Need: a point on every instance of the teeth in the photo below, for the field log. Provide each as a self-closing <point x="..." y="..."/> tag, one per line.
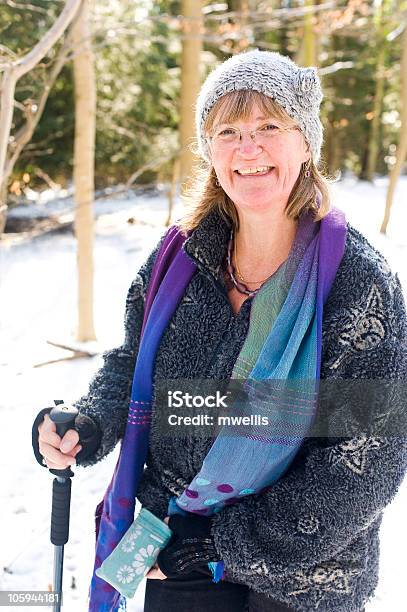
<point x="254" y="170"/>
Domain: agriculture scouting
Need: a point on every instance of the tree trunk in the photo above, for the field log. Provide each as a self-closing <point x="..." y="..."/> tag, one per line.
<point x="402" y="147"/>
<point x="190" y="81"/>
<point x="373" y="147"/>
<point x="84" y="161"/>
<point x="307" y="53"/>
<point x="309" y="48"/>
<point x="378" y="96"/>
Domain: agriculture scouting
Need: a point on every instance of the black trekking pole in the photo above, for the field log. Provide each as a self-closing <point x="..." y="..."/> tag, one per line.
<point x="64" y="418"/>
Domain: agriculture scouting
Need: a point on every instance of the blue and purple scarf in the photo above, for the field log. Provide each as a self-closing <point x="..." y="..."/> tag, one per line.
<point x="283" y="345"/>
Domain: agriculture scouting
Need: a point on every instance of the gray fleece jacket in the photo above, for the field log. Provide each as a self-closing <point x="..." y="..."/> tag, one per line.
<point x="312" y="541"/>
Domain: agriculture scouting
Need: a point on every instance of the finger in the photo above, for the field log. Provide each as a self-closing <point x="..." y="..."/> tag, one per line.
<point x="156" y="574"/>
<point x="47" y="424"/>
<point x="76" y="450"/>
<point x="49" y="437"/>
<point x="167" y="518"/>
<point x="160" y="574"/>
<point x="69" y="441"/>
<point x="152" y="574"/>
<point x="55" y="456"/>
<point x="55" y="441"/>
<point x="44" y="447"/>
<point x="54" y="466"/>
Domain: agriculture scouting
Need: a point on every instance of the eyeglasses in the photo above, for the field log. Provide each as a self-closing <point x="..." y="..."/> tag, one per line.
<point x="230" y="137"/>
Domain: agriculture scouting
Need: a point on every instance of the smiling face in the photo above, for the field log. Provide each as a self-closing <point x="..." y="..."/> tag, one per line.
<point x="283" y="153"/>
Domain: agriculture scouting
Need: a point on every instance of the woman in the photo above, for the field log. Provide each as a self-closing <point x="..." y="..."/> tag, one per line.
<point x="276" y="287"/>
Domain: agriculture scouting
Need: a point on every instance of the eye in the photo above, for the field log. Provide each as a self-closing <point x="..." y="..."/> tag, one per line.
<point x="226" y="132"/>
<point x="269" y="127"/>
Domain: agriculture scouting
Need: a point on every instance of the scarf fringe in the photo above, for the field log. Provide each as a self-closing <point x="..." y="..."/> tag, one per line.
<point x="218" y="569"/>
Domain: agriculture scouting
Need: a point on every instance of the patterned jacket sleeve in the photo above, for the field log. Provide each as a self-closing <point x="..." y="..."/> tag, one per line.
<point x="108" y="396"/>
<point x="339" y="487"/>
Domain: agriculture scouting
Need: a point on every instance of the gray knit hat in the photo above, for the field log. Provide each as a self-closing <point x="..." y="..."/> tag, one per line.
<point x="297" y="90"/>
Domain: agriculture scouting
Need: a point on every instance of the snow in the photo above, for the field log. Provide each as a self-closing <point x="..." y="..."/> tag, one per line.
<point x="38" y="297"/>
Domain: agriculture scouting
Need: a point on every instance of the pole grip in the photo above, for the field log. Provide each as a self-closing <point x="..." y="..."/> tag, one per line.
<point x="61" y="501"/>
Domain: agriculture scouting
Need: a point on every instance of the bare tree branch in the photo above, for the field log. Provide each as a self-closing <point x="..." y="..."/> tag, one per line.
<point x="335" y="67"/>
<point x="154" y="163"/>
<point x="26" y="63"/>
<point x="26" y="7"/>
<point x="7" y="51"/>
<point x="32" y="114"/>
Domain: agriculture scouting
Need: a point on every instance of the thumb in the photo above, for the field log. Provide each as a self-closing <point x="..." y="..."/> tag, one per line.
<point x="70" y="439"/>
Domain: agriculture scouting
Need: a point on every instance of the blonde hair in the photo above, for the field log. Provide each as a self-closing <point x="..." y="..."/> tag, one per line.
<point x="204" y="195"/>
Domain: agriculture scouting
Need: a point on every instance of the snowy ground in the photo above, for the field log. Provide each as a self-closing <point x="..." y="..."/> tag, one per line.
<point x="38" y="288"/>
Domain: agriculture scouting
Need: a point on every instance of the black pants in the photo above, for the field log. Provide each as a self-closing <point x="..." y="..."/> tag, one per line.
<point x="196" y="592"/>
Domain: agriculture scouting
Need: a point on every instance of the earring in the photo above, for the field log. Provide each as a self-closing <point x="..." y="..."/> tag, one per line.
<point x="307" y="173"/>
<point x="217" y="183"/>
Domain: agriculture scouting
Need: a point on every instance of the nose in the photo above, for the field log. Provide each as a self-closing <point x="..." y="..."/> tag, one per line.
<point x="247" y="144"/>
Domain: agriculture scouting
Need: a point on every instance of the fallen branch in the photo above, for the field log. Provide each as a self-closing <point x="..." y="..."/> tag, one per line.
<point x="78" y="353"/>
<point x="75" y="349"/>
